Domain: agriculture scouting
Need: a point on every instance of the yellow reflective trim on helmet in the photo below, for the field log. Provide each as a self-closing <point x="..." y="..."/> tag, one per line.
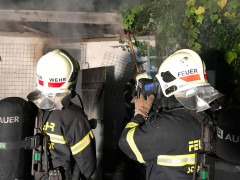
<point x="78" y="147"/>
<point x="133" y="146"/>
<point x="176" y="160"/>
<point x="131" y="125"/>
<point x="56" y="138"/>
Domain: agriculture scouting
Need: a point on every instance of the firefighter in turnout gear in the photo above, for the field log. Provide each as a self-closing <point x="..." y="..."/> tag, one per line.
<point x="133" y="170"/>
<point x="71" y="140"/>
<point x="130" y="90"/>
<point x="167" y="141"/>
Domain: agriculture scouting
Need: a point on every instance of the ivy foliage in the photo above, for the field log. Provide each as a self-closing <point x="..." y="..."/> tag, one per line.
<point x="195" y="24"/>
<point x="151" y="17"/>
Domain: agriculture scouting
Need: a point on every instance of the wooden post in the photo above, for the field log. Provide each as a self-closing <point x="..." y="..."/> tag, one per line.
<point x="131" y="46"/>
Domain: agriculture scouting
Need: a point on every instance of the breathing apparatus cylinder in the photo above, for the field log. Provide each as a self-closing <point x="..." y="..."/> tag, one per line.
<point x="228" y="136"/>
<point x="16" y="123"/>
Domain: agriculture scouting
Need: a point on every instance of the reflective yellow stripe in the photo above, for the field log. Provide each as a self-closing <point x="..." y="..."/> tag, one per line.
<point x="56" y="138"/>
<point x="91" y="134"/>
<point x="131" y="125"/>
<point x="133" y="146"/>
<point x="176" y="160"/>
<point x="82" y="144"/>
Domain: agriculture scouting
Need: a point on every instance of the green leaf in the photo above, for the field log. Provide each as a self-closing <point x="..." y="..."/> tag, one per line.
<point x="192" y="10"/>
<point x="193" y="34"/>
<point x="131" y="17"/>
<point x="200" y="18"/>
<point x="214" y="17"/>
<point x="126" y="26"/>
<point x="123" y="48"/>
<point x="208" y="4"/>
<point x="222" y="3"/>
<point x="197" y="47"/>
<point x="238" y="48"/>
<point x="211" y="5"/>
<point x="230" y="16"/>
<point x="187" y="23"/>
<point x="190" y="3"/>
<point x="230" y="56"/>
<point x="120" y="40"/>
<point x="125" y="20"/>
<point x="219" y="21"/>
<point x="190" y="42"/>
<point x="233" y="5"/>
<point x="137" y="9"/>
<point x="200" y="10"/>
<point x="196" y="30"/>
<point x="188" y="13"/>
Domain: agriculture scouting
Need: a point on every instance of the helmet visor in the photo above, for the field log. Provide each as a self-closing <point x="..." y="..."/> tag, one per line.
<point x="198" y="98"/>
<point x="50" y="101"/>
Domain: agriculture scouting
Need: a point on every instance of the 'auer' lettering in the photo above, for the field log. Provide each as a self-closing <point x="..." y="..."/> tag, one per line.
<point x="187" y="72"/>
<point x="57" y="79"/>
<point x="232" y="138"/>
<point x="12" y="119"/>
<point x="227" y="136"/>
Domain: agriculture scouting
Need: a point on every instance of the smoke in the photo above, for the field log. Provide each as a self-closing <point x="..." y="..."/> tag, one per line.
<point x="69" y="5"/>
<point x="66" y="30"/>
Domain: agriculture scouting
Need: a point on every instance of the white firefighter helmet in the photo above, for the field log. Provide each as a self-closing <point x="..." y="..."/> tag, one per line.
<point x="57" y="74"/>
<point x="180" y="71"/>
<point x="183" y="74"/>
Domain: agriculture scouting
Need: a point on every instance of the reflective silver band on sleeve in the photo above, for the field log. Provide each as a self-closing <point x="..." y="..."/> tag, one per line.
<point x="78" y="147"/>
<point x="176" y="160"/>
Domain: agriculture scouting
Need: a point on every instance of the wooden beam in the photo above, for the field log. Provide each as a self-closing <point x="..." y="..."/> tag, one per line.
<point x="60" y="17"/>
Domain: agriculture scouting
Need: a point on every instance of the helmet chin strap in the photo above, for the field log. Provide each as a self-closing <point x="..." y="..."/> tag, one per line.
<point x="80" y="100"/>
<point x="73" y="94"/>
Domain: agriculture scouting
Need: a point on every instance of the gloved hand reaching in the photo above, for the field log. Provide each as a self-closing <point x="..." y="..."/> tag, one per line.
<point x="143" y="106"/>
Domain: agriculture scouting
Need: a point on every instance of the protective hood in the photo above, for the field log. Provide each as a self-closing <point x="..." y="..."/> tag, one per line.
<point x="198" y="98"/>
<point x="50" y="101"/>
